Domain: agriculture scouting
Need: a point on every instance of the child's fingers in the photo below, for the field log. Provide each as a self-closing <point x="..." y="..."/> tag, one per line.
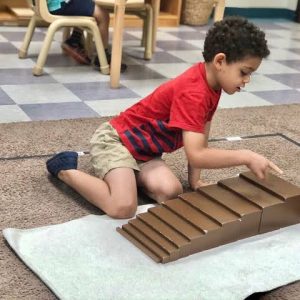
<point x="275" y="168"/>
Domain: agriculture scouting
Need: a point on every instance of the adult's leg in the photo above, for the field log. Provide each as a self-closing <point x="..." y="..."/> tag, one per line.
<point x="111" y="195"/>
<point x="158" y="181"/>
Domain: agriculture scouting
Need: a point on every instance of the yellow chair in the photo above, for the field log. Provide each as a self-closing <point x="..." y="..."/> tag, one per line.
<point x="219" y="10"/>
<point x="41" y="12"/>
<point x="142" y="9"/>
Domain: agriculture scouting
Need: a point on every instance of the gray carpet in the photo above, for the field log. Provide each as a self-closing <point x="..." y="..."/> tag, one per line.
<point x="29" y="198"/>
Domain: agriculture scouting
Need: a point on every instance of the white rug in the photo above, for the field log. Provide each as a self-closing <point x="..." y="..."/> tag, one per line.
<point x="87" y="259"/>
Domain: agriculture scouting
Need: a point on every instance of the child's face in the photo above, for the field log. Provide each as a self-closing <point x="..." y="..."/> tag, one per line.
<point x="234" y="76"/>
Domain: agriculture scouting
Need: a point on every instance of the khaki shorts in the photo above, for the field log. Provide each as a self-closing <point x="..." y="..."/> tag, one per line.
<point x="108" y="152"/>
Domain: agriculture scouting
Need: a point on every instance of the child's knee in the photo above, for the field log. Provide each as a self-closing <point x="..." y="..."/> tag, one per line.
<point x="124" y="210"/>
<point x="168" y="191"/>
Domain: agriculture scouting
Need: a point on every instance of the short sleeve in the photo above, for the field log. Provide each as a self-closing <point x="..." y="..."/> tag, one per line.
<point x="190" y="111"/>
<point x="212" y="111"/>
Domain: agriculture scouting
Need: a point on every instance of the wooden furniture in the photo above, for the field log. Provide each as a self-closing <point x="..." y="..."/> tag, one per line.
<point x="169" y="13"/>
<point x="118" y="26"/>
<point x="233" y="209"/>
<point x="144" y="11"/>
<point x="55" y="23"/>
<point x="15" y="12"/>
<point x="138" y="8"/>
<point x="219" y="10"/>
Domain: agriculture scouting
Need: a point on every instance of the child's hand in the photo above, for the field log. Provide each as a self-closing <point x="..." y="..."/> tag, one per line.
<point x="199" y="184"/>
<point x="259" y="165"/>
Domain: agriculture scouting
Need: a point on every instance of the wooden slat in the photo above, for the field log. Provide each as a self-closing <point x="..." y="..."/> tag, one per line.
<point x="250" y="192"/>
<point x="210" y="208"/>
<point x="230" y="200"/>
<point x="139" y="245"/>
<point x="156" y="238"/>
<point x="192" y="215"/>
<point x="161" y="227"/>
<point x="176" y="222"/>
<point x="273" y="185"/>
<point x="141" y="238"/>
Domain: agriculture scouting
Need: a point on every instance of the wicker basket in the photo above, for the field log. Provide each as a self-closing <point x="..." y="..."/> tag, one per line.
<point x="196" y="12"/>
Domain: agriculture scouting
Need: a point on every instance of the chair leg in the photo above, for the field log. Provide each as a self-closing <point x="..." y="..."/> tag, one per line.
<point x="117" y="43"/>
<point x="65" y="36"/>
<point x="104" y="67"/>
<point x="219" y="10"/>
<point x="149" y="28"/>
<point x="155" y="8"/>
<point x="28" y="36"/>
<point x="38" y="69"/>
<point x="66" y="33"/>
<point x="88" y="44"/>
<point x="144" y="33"/>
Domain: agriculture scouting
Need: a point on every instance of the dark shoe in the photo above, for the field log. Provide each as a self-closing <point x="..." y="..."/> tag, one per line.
<point x="76" y="51"/>
<point x="96" y="62"/>
<point x="66" y="160"/>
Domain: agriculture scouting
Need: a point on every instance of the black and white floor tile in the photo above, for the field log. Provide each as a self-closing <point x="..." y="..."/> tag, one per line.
<point x="67" y="90"/>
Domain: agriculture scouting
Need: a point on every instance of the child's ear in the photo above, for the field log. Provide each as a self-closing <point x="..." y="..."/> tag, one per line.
<point x="219" y="60"/>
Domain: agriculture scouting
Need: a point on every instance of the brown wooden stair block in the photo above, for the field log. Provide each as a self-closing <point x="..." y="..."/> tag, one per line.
<point x="221" y="225"/>
<point x="157" y="250"/>
<point x="157" y="238"/>
<point x="181" y="225"/>
<point x="138" y="244"/>
<point x="282" y="189"/>
<point x="173" y="236"/>
<point x="233" y="209"/>
<point x="277" y="212"/>
<point x="248" y="213"/>
<point x="274" y="185"/>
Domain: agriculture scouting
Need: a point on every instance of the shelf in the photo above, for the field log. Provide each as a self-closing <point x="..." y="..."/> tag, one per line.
<point x="164" y="20"/>
<point x="17" y="12"/>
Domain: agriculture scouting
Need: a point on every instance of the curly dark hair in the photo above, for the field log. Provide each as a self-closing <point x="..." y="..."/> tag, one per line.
<point x="237" y="38"/>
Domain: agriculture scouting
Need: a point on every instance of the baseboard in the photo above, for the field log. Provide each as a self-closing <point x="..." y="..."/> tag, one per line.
<point x="261" y="12"/>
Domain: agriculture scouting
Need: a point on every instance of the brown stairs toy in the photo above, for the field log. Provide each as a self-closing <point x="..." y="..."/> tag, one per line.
<point x="218" y="214"/>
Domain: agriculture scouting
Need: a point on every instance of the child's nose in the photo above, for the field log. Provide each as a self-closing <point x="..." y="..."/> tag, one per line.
<point x="247" y="78"/>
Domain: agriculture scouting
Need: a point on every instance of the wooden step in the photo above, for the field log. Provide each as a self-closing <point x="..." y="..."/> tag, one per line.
<point x="232" y="209"/>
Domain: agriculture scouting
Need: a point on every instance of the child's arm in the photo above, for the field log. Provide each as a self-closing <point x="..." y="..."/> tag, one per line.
<point x="194" y="173"/>
<point x="200" y="156"/>
<point x="194" y="178"/>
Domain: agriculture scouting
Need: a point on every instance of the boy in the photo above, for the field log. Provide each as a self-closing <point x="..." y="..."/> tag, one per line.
<point x="126" y="152"/>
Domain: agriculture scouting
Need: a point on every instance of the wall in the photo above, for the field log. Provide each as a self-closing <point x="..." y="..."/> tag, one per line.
<point x="283" y="4"/>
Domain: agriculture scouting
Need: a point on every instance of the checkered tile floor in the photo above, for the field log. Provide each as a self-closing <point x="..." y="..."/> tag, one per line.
<point x="68" y="90"/>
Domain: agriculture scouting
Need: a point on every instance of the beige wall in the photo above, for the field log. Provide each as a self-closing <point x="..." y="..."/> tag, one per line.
<point x="285" y="4"/>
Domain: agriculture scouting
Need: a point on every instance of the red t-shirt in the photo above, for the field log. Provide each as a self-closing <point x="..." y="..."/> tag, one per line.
<point x="154" y="125"/>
